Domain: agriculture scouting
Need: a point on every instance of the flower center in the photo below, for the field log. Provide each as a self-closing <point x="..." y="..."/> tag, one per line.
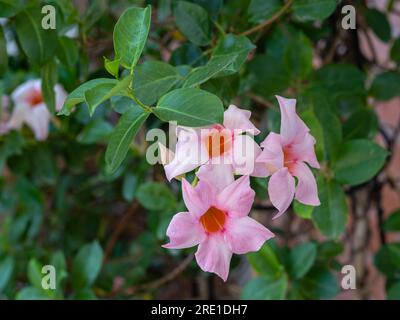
<point x="35" y="98"/>
<point x="289" y="159"/>
<point x="218" y="141"/>
<point x="213" y="220"/>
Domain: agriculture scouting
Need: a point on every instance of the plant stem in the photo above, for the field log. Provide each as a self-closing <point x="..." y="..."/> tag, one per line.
<point x="268" y="22"/>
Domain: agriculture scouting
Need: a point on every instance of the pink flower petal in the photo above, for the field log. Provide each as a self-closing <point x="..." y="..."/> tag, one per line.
<point x="244" y="154"/>
<point x="237" y="198"/>
<point x="18" y="116"/>
<point x="272" y="154"/>
<point x="281" y="190"/>
<point x="38" y="120"/>
<point x="235" y="118"/>
<point x="184" y="231"/>
<point x="246" y="235"/>
<point x="189" y="154"/>
<point x="197" y="199"/>
<point x="306" y="190"/>
<point x="292" y="127"/>
<point x="218" y="175"/>
<point x="166" y="155"/>
<point x="214" y="255"/>
<point x="304" y="151"/>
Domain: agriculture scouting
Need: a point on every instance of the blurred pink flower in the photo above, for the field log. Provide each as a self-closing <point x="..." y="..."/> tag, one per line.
<point x="284" y="156"/>
<point x="30" y="108"/>
<point x="216" y="144"/>
<point x="217" y="219"/>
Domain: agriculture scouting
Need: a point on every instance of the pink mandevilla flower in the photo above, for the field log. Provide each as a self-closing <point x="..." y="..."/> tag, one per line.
<point x="217" y="219"/>
<point x="30" y="108"/>
<point x="284" y="156"/>
<point x="217" y="144"/>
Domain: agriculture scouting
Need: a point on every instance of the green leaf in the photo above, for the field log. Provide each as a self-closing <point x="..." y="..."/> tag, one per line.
<point x="149" y="191"/>
<point x="9" y="8"/>
<point x="31" y="293"/>
<point x="129" y="186"/>
<point x="104" y="91"/>
<point x="59" y="263"/>
<point x="38" y="44"/>
<point x="298" y="56"/>
<point x="78" y="95"/>
<point x="393" y="292"/>
<point x="95" y="131"/>
<point x="379" y="23"/>
<point x="261" y="10"/>
<point x="265" y="289"/>
<point x="190" y="107"/>
<point x="387" y="260"/>
<point x="130" y="35"/>
<point x="3" y="52"/>
<point x="265" y="262"/>
<point x="192" y="20"/>
<point x="122" y="136"/>
<point x="302" y="210"/>
<point x="392" y="223"/>
<point x="228" y="56"/>
<point x="6" y="271"/>
<point x="153" y="79"/>
<point x="395" y="51"/>
<point x="268" y="75"/>
<point x="386" y="85"/>
<point x="188" y="54"/>
<point x="35" y="273"/>
<point x="331" y="216"/>
<point x="319" y="283"/>
<point x="302" y="258"/>
<point x="361" y="124"/>
<point x="67" y="52"/>
<point x="309" y="10"/>
<point x="49" y="77"/>
<point x="112" y="66"/>
<point x="316" y="130"/>
<point x="329" y="249"/>
<point x="87" y="265"/>
<point x="358" y="161"/>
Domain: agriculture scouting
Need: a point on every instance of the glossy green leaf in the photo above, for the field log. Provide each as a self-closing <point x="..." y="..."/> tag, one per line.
<point x="379" y="23"/>
<point x="6" y="271"/>
<point x="95" y="131"/>
<point x="302" y="258"/>
<point x="319" y="283"/>
<point x="87" y="265"/>
<point x="3" y="52"/>
<point x="9" y="8"/>
<point x="358" y="161"/>
<point x="38" y="44"/>
<point x="130" y="35"/>
<point x="153" y="79"/>
<point x="149" y="191"/>
<point x="265" y="289"/>
<point x="190" y="107"/>
<point x="78" y="95"/>
<point x="361" y="124"/>
<point x="104" y="91"/>
<point x="298" y="56"/>
<point x="261" y="10"/>
<point x="49" y="77"/>
<point x="265" y="262"/>
<point x="309" y="10"/>
<point x="192" y="20"/>
<point x="67" y="52"/>
<point x="122" y="137"/>
<point x="112" y="66"/>
<point x="393" y="292"/>
<point x="392" y="223"/>
<point x="386" y="85"/>
<point x="331" y="216"/>
<point x="31" y="293"/>
<point x="395" y="51"/>
<point x="387" y="260"/>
